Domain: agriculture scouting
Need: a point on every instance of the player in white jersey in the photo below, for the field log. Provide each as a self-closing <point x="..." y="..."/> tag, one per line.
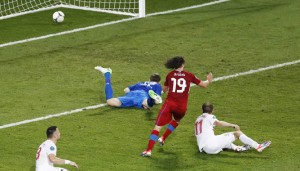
<point x="212" y="144"/>
<point x="46" y="154"/>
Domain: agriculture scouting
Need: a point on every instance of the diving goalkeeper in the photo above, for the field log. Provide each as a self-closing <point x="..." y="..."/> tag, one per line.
<point x="141" y="95"/>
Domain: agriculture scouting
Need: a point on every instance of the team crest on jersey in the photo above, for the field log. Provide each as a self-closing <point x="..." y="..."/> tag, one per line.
<point x="52" y="148"/>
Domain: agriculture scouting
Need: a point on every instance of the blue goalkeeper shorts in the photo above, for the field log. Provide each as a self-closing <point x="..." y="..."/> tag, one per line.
<point x="134" y="99"/>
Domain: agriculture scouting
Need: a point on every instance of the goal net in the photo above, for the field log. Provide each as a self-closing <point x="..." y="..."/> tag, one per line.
<point x="12" y="8"/>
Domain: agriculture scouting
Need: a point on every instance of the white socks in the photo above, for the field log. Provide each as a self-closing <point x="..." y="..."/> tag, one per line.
<point x="248" y="141"/>
<point x="231" y="146"/>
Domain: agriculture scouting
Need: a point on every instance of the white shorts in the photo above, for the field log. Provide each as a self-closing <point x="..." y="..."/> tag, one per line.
<point x="50" y="168"/>
<point x="216" y="144"/>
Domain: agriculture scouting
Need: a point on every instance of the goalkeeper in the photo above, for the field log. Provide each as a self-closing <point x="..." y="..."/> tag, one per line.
<point x="140" y="95"/>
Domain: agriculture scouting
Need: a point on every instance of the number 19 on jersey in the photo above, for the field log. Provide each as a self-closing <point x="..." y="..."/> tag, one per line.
<point x="181" y="82"/>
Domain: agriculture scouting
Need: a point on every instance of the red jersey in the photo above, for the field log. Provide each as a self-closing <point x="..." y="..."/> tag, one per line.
<point x="179" y="83"/>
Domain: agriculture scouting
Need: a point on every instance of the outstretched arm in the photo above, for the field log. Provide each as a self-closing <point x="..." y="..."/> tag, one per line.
<point x="204" y="84"/>
<point x="226" y="124"/>
<point x="56" y="160"/>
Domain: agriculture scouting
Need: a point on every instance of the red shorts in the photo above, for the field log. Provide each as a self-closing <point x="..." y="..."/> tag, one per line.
<point x="168" y="110"/>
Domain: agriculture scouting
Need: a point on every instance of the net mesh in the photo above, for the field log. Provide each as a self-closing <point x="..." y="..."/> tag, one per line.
<point x="131" y="6"/>
<point x="8" y="7"/>
<point x="12" y="7"/>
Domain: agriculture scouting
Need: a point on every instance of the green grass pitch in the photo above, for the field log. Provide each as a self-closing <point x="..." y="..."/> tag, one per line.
<point x="56" y="74"/>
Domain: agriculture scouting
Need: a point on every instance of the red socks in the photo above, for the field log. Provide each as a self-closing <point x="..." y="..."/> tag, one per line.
<point x="153" y="138"/>
<point x="171" y="127"/>
<point x="154" y="135"/>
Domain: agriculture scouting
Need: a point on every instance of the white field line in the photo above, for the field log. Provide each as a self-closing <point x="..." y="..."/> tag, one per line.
<point x="52" y="116"/>
<point x="256" y="70"/>
<point x="108" y="23"/>
<point x="104" y="104"/>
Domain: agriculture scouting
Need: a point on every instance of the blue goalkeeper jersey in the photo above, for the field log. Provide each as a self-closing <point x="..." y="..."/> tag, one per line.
<point x="146" y="86"/>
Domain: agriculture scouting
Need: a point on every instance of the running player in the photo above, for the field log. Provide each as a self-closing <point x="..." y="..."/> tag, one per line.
<point x="141" y="95"/>
<point x="210" y="143"/>
<point x="178" y="86"/>
<point x="46" y="154"/>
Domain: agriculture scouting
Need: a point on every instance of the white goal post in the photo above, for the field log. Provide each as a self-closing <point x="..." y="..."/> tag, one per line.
<point x="13" y="8"/>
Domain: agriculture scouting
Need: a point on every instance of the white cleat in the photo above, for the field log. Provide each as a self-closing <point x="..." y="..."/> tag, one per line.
<point x="161" y="141"/>
<point x="264" y="145"/>
<point x="103" y="70"/>
<point x="146" y="153"/>
<point x="243" y="148"/>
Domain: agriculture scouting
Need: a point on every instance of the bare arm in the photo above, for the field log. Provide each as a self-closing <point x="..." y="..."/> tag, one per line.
<point x="56" y="160"/>
<point x="126" y="90"/>
<point x="204" y="84"/>
<point x="226" y="124"/>
<point x="165" y="88"/>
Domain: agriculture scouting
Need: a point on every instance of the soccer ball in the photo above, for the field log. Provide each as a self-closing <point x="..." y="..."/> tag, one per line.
<point x="58" y="17"/>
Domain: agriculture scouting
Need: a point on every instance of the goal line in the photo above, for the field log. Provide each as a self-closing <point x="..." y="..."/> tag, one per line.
<point x="109" y="23"/>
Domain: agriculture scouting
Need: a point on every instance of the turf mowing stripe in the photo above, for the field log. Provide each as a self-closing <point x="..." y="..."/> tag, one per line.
<point x="104" y="104"/>
<point x="186" y="8"/>
<point x="108" y="23"/>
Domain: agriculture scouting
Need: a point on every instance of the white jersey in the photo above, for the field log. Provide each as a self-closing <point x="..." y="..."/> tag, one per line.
<point x="42" y="156"/>
<point x="204" y="128"/>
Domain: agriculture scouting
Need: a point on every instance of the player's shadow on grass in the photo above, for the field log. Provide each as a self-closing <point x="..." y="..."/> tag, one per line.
<point x="230" y="154"/>
<point x="167" y="161"/>
<point x="149" y="114"/>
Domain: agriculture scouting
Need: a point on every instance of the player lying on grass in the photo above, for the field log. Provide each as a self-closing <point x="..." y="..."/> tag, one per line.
<point x="140" y="95"/>
<point x="46" y="154"/>
<point x="178" y="86"/>
<point x="210" y="143"/>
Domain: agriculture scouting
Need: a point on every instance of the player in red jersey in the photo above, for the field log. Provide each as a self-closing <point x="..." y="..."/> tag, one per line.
<point x="178" y="86"/>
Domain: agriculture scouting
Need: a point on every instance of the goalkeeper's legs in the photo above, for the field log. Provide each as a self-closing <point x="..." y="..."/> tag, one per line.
<point x="108" y="87"/>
